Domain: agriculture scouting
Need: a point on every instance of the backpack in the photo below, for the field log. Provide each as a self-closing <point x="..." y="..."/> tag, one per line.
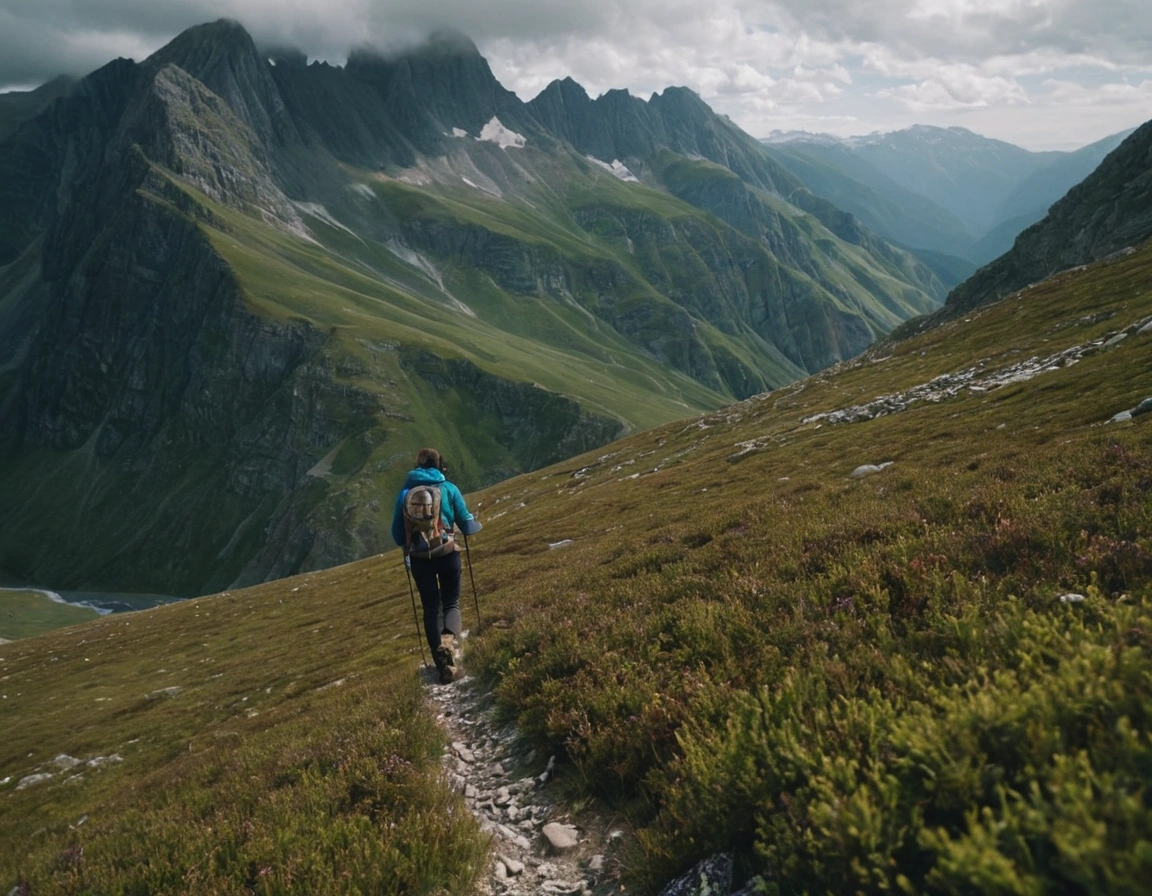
<point x="425" y="535"/>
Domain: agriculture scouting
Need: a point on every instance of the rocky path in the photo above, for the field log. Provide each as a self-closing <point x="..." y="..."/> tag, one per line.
<point x="538" y="848"/>
<point x="989" y="374"/>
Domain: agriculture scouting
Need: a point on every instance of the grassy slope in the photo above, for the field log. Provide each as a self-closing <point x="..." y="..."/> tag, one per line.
<point x="24" y="614"/>
<point x="862" y="684"/>
<point x="550" y="339"/>
<point x="365" y="289"/>
<point x="858" y="684"/>
<point x="272" y="737"/>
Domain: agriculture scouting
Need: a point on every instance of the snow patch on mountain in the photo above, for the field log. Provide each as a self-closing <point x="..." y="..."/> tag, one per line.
<point x="495" y="132"/>
<point x="617" y="169"/>
<point x="459" y="132"/>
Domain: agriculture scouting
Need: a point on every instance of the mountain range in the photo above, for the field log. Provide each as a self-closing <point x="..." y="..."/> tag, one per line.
<point x="885" y="629"/>
<point x="955" y="198"/>
<point x="238" y="292"/>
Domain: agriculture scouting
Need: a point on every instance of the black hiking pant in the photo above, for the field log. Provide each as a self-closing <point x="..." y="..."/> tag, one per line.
<point x="438" y="581"/>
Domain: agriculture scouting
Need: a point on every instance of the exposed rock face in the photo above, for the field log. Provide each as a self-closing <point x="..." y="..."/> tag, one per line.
<point x="179" y="413"/>
<point x="223" y="58"/>
<point x="146" y="362"/>
<point x="537" y="427"/>
<point x="620" y="126"/>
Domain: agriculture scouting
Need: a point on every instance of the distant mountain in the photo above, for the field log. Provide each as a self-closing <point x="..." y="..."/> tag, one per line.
<point x="832" y="170"/>
<point x="1110" y="210"/>
<point x="1032" y="198"/>
<point x="238" y="292"/>
<point x="958" y="170"/>
<point x="17" y="106"/>
<point x="942" y="189"/>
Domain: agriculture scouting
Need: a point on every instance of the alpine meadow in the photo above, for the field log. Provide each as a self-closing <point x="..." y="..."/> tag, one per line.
<point x="794" y="564"/>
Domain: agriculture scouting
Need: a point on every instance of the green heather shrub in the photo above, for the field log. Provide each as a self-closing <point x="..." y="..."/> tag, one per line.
<point x="1030" y="776"/>
<point x="879" y="694"/>
<point x="347" y="799"/>
<point x="875" y="685"/>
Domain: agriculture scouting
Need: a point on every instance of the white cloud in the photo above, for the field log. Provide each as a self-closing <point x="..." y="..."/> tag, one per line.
<point x="957" y="87"/>
<point x="869" y="65"/>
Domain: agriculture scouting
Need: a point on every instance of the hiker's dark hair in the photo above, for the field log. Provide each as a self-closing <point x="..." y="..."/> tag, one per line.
<point x="429" y="458"/>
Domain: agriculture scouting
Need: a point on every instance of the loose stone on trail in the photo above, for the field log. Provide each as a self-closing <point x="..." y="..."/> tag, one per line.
<point x="561" y="837"/>
<point x="712" y="875"/>
<point x="535" y="848"/>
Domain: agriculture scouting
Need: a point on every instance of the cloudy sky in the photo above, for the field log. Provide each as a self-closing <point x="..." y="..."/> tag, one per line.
<point x="1044" y="74"/>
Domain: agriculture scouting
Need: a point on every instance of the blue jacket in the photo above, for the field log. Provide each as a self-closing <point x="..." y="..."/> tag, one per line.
<point x="452" y="507"/>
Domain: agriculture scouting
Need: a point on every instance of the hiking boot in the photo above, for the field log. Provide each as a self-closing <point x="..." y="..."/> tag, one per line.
<point x="445" y="664"/>
<point x="449" y="674"/>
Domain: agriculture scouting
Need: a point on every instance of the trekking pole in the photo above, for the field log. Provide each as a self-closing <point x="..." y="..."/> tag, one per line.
<point x="415" y="615"/>
<point x="472" y="576"/>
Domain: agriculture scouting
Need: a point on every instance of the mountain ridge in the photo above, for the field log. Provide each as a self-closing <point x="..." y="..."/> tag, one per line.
<point x="1103" y="214"/>
<point x="368" y="257"/>
<point x="752" y="623"/>
<point x="939" y="189"/>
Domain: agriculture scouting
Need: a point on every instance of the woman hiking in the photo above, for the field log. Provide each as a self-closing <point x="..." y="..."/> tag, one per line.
<point x="427" y="510"/>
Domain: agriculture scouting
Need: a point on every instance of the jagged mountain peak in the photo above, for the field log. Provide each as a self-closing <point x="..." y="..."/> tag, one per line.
<point x="679" y="94"/>
<point x="434" y="88"/>
<point x="566" y="89"/>
<point x="684" y="104"/>
<point x="191" y="47"/>
<point x="448" y="42"/>
<point x="618" y="95"/>
<point x="223" y="57"/>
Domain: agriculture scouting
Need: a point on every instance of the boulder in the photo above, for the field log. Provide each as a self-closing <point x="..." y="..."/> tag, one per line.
<point x="869" y="469"/>
<point x="711" y="877"/>
<point x="561" y="837"/>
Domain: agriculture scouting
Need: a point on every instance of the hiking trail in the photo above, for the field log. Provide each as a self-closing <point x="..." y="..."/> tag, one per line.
<point x="538" y="845"/>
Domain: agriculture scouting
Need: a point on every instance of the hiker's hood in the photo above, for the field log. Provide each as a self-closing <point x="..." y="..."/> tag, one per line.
<point x="424" y="476"/>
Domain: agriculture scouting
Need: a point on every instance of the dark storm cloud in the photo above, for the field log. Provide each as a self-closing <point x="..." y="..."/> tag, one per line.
<point x="41" y="38"/>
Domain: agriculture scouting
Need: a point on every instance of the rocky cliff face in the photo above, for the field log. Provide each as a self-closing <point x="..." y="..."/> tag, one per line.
<point x="235" y="297"/>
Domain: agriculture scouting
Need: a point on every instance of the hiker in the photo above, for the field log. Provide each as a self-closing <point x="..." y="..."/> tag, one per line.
<point x="427" y="510"/>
